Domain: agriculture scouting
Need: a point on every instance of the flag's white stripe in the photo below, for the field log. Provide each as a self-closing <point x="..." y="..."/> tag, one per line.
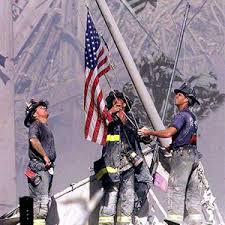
<point x="95" y="113"/>
<point x="93" y="121"/>
<point x="87" y="72"/>
<point x="94" y="74"/>
<point x="88" y="97"/>
<point x="92" y="125"/>
<point x="105" y="65"/>
<point x="100" y="132"/>
<point x="93" y="78"/>
<point x="98" y="52"/>
<point x="95" y="117"/>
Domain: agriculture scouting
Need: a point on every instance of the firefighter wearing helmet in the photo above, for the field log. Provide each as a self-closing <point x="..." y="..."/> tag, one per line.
<point x="184" y="196"/>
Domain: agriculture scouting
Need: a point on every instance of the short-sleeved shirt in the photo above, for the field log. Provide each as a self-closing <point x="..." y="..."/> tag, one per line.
<point x="186" y="124"/>
<point x="42" y="132"/>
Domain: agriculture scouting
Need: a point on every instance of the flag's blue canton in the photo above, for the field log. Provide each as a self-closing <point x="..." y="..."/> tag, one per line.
<point x="92" y="44"/>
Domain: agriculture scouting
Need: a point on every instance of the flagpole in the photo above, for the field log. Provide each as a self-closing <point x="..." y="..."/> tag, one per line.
<point x="132" y="70"/>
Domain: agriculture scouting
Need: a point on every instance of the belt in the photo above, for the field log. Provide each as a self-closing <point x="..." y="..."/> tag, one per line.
<point x="183" y="147"/>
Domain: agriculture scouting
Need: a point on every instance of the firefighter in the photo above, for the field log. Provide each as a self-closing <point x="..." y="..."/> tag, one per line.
<point x="121" y="167"/>
<point x="42" y="155"/>
<point x="184" y="199"/>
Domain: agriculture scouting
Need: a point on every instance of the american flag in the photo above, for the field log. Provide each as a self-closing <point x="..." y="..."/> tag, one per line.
<point x="96" y="65"/>
<point x="138" y="5"/>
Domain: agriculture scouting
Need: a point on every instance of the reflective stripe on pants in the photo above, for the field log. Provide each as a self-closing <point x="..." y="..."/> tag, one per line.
<point x="39" y="222"/>
<point x="175" y="218"/>
<point x="109" y="220"/>
<point x="123" y="219"/>
<point x="104" y="171"/>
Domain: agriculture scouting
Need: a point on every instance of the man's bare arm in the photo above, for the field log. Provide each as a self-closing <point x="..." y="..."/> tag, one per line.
<point x="168" y="132"/>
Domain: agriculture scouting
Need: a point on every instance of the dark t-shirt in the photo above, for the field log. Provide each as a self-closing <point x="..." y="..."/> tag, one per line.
<point x="42" y="132"/>
<point x="186" y="124"/>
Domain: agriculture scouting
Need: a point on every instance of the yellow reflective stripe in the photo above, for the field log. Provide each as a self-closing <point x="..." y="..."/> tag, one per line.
<point x="105" y="170"/>
<point x="106" y="219"/>
<point x="115" y="137"/>
<point x="124" y="219"/>
<point x="39" y="222"/>
<point x="195" y="216"/>
<point x="175" y="217"/>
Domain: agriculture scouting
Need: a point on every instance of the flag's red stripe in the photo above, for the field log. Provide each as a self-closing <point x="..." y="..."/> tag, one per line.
<point x="100" y="53"/>
<point x="102" y="62"/>
<point x="100" y="74"/>
<point x="95" y="103"/>
<point x="92" y="104"/>
<point x="88" y="120"/>
<point x="90" y="74"/>
<point x="99" y="119"/>
<point x="97" y="128"/>
<point x="104" y="134"/>
<point x="87" y="82"/>
<point x="89" y="115"/>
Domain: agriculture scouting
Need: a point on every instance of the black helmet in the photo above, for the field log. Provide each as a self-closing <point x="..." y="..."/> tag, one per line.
<point x="30" y="110"/>
<point x="116" y="94"/>
<point x="188" y="92"/>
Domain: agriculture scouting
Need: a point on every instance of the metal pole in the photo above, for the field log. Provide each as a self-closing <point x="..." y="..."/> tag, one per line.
<point x="155" y="157"/>
<point x="176" y="59"/>
<point x="132" y="70"/>
<point x="7" y="119"/>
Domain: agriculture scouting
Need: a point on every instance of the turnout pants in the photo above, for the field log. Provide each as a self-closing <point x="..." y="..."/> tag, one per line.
<point x="184" y="195"/>
<point x="118" y="201"/>
<point x="40" y="194"/>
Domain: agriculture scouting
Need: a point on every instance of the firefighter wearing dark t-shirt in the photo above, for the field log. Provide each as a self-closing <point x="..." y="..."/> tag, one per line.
<point x="184" y="200"/>
<point x="42" y="156"/>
